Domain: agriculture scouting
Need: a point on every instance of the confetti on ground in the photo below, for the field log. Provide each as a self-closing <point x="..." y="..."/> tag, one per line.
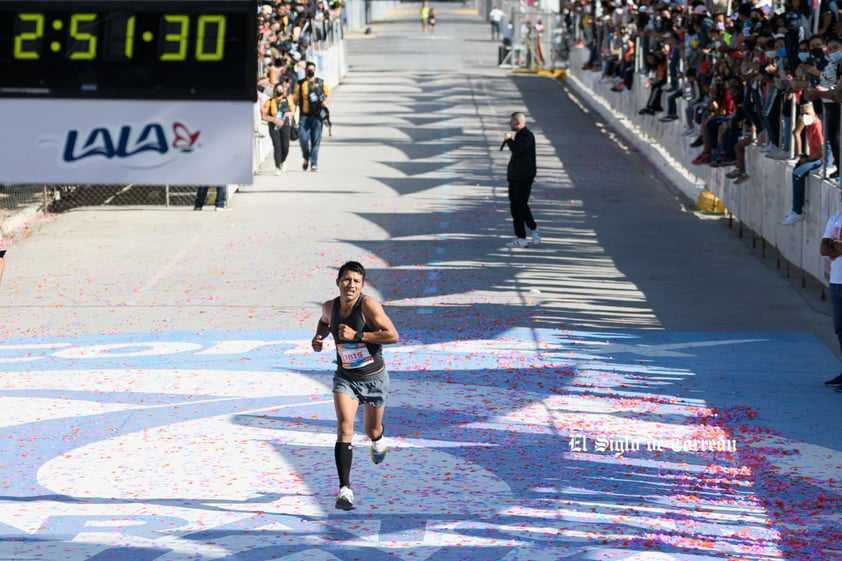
<point x="532" y="445"/>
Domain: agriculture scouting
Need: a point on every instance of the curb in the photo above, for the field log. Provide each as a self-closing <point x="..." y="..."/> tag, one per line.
<point x="671" y="169"/>
<point x="557" y="74"/>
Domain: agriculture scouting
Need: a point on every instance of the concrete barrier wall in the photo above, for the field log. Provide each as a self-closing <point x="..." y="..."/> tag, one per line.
<point x="759" y="203"/>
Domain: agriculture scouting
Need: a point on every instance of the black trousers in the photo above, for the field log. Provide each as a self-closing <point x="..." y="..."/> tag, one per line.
<point x="519" y="191"/>
<point x="280" y="142"/>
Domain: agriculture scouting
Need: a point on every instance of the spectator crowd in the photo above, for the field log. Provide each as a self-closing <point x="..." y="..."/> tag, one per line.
<point x="749" y="72"/>
<point x="288" y="33"/>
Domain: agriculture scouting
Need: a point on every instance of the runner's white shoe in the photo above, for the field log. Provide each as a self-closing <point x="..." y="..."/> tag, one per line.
<point x="378" y="450"/>
<point x="345" y="500"/>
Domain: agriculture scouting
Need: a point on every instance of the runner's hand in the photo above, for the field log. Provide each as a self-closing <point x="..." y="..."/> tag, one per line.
<point x="317" y="343"/>
<point x="346" y="333"/>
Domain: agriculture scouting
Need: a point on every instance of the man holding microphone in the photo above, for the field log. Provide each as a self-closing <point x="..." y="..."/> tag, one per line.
<point x="521" y="174"/>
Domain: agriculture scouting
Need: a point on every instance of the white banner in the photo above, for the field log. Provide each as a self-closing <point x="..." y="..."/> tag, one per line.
<point x="107" y="141"/>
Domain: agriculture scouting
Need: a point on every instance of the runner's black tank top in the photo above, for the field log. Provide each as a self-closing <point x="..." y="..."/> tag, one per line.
<point x="359" y="359"/>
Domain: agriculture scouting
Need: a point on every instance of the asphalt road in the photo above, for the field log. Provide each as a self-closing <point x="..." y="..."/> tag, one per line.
<point x="642" y="297"/>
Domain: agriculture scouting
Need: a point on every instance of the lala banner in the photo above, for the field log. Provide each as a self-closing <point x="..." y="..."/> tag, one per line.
<point x="71" y="142"/>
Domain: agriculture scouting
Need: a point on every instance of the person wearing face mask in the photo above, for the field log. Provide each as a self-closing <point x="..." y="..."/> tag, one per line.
<point x="777" y="99"/>
<point x="825" y="91"/>
<point x="806" y="163"/>
<point x="311" y="96"/>
<point x="279" y="113"/>
<point x="816" y="62"/>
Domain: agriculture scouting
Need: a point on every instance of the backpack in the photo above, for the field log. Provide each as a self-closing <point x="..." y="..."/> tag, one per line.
<point x="318" y="89"/>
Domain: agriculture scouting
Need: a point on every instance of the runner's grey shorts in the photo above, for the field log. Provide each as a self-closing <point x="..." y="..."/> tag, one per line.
<point x="373" y="390"/>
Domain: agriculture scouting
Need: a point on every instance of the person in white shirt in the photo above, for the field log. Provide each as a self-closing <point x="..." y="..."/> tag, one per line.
<point x="495" y="16"/>
<point x="831" y="247"/>
<point x="507" y="34"/>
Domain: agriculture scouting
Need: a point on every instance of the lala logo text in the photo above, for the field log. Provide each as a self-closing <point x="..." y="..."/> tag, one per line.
<point x="129" y="142"/>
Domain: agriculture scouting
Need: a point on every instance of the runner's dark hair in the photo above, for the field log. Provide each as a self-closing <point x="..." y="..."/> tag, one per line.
<point x="352" y="266"/>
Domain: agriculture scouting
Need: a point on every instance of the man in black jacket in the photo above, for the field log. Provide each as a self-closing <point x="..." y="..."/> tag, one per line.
<point x="520" y="174"/>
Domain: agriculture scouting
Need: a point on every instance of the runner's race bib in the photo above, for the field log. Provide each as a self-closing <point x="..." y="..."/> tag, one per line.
<point x="354" y="355"/>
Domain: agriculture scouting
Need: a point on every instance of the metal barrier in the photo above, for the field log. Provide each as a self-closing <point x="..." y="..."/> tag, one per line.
<point x="534" y="46"/>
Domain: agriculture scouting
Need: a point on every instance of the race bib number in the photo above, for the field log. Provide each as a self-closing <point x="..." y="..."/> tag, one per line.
<point x="354" y="355"/>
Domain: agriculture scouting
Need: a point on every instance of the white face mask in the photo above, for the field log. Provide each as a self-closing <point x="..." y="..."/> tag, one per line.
<point x="807" y="120"/>
<point x="771" y="54"/>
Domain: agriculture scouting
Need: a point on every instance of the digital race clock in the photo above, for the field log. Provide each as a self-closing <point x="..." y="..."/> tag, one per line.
<point x="142" y="49"/>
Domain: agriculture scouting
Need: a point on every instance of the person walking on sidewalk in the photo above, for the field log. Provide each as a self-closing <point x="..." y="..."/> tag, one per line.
<point x="279" y="113"/>
<point x="360" y="327"/>
<point x="521" y="174"/>
<point x="311" y="95"/>
<point x="495" y="16"/>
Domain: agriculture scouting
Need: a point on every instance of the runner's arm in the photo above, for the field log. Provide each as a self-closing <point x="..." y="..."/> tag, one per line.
<point x="383" y="331"/>
<point x="323" y="327"/>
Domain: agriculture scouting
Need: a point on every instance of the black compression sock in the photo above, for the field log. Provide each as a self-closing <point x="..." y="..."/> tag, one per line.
<point x="382" y="432"/>
<point x="343" y="453"/>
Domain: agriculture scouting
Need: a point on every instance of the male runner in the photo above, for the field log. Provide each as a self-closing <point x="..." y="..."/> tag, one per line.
<point x="360" y="327"/>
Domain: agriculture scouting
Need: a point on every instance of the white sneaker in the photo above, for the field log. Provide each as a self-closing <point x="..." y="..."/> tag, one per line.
<point x="378" y="450"/>
<point x="283" y="167"/>
<point x="278" y="170"/>
<point x="345" y="500"/>
<point x="518" y="242"/>
<point x="791" y="218"/>
<point x="536" y="237"/>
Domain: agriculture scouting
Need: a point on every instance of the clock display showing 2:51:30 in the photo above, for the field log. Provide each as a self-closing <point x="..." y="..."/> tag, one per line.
<point x="118" y="36"/>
